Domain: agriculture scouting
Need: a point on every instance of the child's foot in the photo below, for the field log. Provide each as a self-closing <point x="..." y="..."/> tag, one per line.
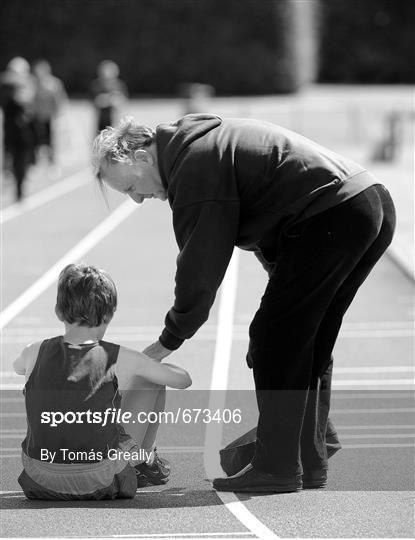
<point x="141" y="479"/>
<point x="156" y="473"/>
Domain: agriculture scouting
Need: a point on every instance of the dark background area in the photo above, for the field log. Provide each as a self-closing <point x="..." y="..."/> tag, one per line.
<point x="368" y="41"/>
<point x="240" y="47"/>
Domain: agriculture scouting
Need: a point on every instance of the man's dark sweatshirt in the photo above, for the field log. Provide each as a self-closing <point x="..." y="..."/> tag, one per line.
<point x="238" y="182"/>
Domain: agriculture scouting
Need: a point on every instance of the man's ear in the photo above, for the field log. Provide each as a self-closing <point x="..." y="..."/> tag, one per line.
<point x="143" y="156"/>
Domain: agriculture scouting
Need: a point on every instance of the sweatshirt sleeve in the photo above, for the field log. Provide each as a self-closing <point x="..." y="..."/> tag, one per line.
<point x="206" y="234"/>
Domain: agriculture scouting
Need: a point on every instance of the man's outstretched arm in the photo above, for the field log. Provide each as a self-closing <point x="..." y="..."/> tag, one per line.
<point x="206" y="234"/>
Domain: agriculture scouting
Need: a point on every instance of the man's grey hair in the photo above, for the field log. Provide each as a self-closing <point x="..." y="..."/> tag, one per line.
<point x="118" y="144"/>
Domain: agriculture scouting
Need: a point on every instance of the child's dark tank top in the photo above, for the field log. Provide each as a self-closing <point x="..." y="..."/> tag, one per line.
<point x="72" y="379"/>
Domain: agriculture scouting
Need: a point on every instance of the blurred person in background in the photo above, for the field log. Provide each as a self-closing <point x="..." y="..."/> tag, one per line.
<point x="17" y="93"/>
<point x="109" y="93"/>
<point x="318" y="223"/>
<point x="50" y="97"/>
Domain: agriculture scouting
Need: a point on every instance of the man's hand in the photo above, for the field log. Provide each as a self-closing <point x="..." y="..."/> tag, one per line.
<point x="157" y="351"/>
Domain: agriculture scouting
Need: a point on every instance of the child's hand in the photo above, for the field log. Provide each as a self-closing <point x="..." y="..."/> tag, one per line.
<point x="156" y="351"/>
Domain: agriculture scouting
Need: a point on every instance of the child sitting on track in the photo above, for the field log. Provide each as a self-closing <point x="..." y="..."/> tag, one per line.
<point x="76" y="446"/>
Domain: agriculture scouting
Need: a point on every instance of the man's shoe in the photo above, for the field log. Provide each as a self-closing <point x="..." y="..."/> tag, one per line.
<point x="315" y="479"/>
<point x="157" y="473"/>
<point x="251" y="480"/>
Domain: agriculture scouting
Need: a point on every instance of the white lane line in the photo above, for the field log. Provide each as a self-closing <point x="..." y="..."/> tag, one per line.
<point x="373" y="411"/>
<point x="378" y="325"/>
<point x="132" y="338"/>
<point x="218" y="386"/>
<point x="340" y="428"/>
<point x="186" y="535"/>
<point x="375" y="369"/>
<point x="379" y="436"/>
<point x="16" y="383"/>
<point x="336" y="383"/>
<point x="220" y="370"/>
<point x="374" y="426"/>
<point x="375" y="334"/>
<point x="351" y="370"/>
<point x="240" y="328"/>
<point x="204" y="336"/>
<point x="392" y="445"/>
<point x="369" y="394"/>
<point x="46" y="195"/>
<point x="366" y="369"/>
<point x="20" y="433"/>
<point x="214" y="465"/>
<point x="78" y="251"/>
<point x="208" y="332"/>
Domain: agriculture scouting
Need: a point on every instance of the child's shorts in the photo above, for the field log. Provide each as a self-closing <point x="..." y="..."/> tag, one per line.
<point x="106" y="479"/>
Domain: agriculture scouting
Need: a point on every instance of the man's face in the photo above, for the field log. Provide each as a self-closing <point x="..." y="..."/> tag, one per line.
<point x="140" y="180"/>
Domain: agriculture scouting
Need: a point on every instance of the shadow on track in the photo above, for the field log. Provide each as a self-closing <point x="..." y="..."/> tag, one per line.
<point x="165" y="498"/>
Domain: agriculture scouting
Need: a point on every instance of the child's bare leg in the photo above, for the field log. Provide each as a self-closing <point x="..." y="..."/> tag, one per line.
<point x="151" y="432"/>
<point x="142" y="396"/>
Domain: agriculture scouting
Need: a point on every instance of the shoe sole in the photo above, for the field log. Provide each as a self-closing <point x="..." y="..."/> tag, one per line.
<point x="316" y="486"/>
<point x="147" y="483"/>
<point x="158" y="482"/>
<point x="259" y="489"/>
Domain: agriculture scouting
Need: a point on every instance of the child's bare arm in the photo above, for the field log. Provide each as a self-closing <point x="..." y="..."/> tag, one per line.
<point x="24" y="363"/>
<point x="19" y="365"/>
<point x="132" y="363"/>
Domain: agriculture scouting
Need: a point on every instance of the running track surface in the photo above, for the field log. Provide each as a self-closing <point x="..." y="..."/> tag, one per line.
<point x="371" y="480"/>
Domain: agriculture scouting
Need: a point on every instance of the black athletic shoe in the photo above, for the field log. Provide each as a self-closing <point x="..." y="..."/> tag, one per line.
<point x="142" y="480"/>
<point x="157" y="473"/>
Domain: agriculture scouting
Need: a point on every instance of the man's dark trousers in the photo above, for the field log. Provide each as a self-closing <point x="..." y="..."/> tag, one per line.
<point x="321" y="263"/>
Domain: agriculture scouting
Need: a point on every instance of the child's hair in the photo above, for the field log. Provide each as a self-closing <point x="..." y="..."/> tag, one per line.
<point x="87" y="295"/>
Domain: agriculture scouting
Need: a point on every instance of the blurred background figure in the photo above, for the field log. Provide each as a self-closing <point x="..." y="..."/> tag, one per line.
<point x="17" y="92"/>
<point x="196" y="97"/>
<point x="109" y="93"/>
<point x="50" y="97"/>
